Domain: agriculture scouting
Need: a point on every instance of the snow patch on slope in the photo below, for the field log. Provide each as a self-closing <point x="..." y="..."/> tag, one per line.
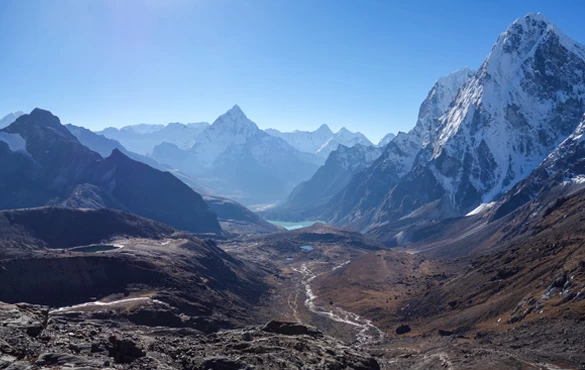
<point x="15" y="142"/>
<point x="481" y="208"/>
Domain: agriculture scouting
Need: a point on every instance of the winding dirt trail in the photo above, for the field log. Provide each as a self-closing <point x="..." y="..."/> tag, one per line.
<point x="368" y="333"/>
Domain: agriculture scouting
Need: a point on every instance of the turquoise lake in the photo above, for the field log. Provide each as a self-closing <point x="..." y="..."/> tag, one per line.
<point x="294" y="225"/>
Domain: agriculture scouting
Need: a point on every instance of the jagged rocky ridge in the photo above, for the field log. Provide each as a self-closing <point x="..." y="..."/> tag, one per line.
<point x="357" y="204"/>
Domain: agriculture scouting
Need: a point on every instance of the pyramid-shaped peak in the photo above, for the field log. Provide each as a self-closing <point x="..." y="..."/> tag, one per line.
<point x="235" y="118"/>
<point x="531" y="23"/>
<point x="324" y="128"/>
<point x="524" y="38"/>
<point x="525" y="32"/>
<point x="236" y="111"/>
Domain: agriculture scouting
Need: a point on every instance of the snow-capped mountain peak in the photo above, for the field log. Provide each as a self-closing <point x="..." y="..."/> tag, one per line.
<point x="521" y="41"/>
<point x="235" y="156"/>
<point x="236" y="121"/>
<point x="324" y="129"/>
<point x="321" y="141"/>
<point x="231" y="133"/>
<point x="478" y="134"/>
<point x="386" y="139"/>
<point x="527" y="96"/>
<point x="235" y="113"/>
<point x="9" y="118"/>
<point x="342" y="137"/>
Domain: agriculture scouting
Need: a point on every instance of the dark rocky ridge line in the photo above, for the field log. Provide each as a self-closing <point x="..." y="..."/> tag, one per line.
<point x="56" y="168"/>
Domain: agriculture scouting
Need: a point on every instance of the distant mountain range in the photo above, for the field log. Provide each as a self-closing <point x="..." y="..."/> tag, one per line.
<point x="500" y="134"/>
<point x="143" y="138"/>
<point x="322" y="141"/>
<point x="104" y="146"/>
<point x="229" y="157"/>
<point x="244" y="162"/>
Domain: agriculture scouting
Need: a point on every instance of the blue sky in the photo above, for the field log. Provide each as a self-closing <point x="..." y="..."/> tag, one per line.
<point x="363" y="64"/>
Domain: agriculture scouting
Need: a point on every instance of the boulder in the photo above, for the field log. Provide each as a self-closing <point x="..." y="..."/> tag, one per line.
<point x="402" y="329"/>
<point x="124" y="351"/>
<point x="288" y="328"/>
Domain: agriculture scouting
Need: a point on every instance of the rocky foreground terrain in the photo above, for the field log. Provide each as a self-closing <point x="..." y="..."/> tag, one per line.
<point x="133" y="293"/>
<point x="314" y="298"/>
<point x="81" y="338"/>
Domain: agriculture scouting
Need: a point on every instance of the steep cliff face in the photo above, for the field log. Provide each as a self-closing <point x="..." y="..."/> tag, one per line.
<point x="563" y="169"/>
<point x="527" y="97"/>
